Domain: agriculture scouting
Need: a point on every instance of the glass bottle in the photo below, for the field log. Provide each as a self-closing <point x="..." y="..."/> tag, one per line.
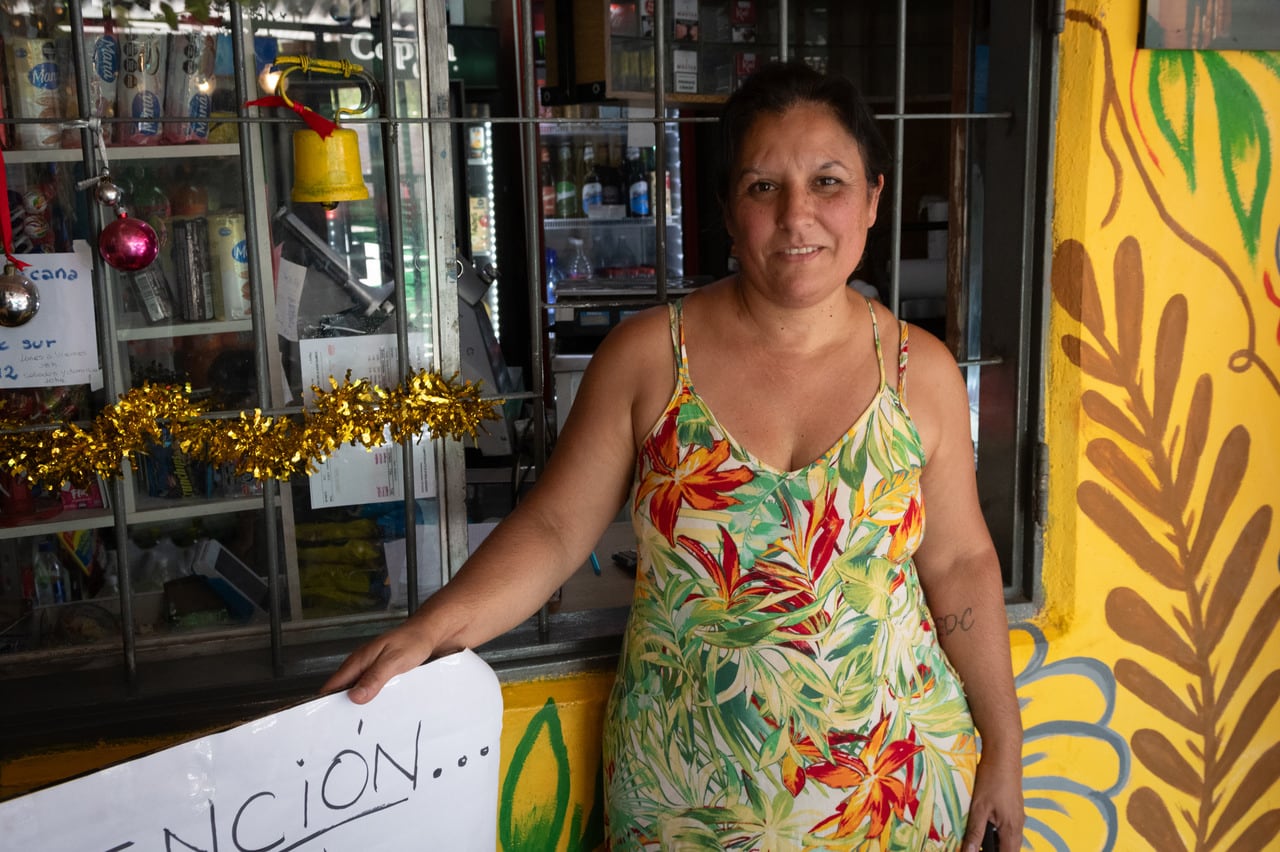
<point x="567" y="204"/>
<point x="547" y="183"/>
<point x="592" y="189"/>
<point x="637" y="185"/>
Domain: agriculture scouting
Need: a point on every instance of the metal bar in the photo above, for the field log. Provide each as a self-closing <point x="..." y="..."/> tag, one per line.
<point x="442" y="238"/>
<point x="900" y="108"/>
<point x="395" y="229"/>
<point x="532" y="204"/>
<point x="659" y="192"/>
<point x="589" y="122"/>
<point x="536" y="268"/>
<point x="261" y="341"/>
<point x="784" y="34"/>
<point x="106" y="341"/>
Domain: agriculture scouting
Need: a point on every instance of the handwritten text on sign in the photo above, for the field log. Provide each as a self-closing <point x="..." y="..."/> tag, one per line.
<point x="59" y="345"/>
<point x="420" y="761"/>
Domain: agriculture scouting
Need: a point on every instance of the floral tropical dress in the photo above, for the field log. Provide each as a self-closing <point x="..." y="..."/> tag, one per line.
<point x="781" y="685"/>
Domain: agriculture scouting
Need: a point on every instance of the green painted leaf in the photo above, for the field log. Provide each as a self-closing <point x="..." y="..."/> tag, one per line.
<point x="1270" y="60"/>
<point x="1245" y="143"/>
<point x="538" y="827"/>
<point x="1170" y="74"/>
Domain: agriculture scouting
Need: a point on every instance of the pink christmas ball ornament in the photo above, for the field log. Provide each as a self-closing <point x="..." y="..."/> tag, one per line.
<point x="128" y="244"/>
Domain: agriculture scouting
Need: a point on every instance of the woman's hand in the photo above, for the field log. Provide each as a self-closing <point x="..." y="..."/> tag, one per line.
<point x="997" y="799"/>
<point x="370" y="666"/>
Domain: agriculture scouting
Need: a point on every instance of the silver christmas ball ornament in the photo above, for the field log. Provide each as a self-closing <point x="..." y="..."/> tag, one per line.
<point x="19" y="298"/>
<point x="108" y="193"/>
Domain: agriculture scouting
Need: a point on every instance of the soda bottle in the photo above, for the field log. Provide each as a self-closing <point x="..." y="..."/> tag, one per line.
<point x="51" y="579"/>
<point x="567" y="203"/>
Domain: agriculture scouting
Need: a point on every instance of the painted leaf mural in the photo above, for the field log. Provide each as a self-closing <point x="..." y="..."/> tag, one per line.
<point x="1172" y="92"/>
<point x="542" y="827"/>
<point x="1158" y="453"/>
<point x="1243" y="140"/>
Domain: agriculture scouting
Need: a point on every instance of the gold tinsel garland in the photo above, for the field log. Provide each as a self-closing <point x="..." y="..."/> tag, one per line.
<point x="257" y="445"/>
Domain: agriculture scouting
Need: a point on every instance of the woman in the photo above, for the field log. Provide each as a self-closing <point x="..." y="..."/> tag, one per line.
<point x="783" y="682"/>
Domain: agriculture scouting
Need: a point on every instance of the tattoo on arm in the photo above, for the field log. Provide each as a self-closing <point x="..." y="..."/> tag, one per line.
<point x="950" y="623"/>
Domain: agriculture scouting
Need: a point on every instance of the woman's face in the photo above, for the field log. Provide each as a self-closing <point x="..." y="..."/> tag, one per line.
<point x="799" y="203"/>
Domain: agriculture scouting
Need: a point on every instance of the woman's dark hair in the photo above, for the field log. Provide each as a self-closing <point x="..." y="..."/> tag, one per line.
<point x="777" y="87"/>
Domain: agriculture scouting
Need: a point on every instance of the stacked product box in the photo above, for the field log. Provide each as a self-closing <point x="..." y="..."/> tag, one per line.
<point x="141" y="76"/>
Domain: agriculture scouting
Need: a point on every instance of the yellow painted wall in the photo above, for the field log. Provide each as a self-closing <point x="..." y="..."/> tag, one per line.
<point x="1150" y="681"/>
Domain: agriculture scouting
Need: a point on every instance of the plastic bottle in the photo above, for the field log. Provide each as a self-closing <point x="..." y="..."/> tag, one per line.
<point x="578" y="266"/>
<point x="53" y="584"/>
<point x="554" y="277"/>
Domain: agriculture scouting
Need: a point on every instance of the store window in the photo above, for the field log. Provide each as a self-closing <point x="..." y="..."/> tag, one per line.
<point x="468" y="138"/>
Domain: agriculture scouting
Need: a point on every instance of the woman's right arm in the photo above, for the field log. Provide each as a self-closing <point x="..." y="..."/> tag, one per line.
<point x="549" y="534"/>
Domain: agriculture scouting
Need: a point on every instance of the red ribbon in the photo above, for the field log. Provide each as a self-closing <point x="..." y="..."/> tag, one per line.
<point x="314" y="120"/>
<point x="6" y="223"/>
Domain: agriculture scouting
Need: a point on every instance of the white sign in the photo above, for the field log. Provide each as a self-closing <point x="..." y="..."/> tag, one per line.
<point x="354" y="475"/>
<point x="416" y="768"/>
<point x="59" y="345"/>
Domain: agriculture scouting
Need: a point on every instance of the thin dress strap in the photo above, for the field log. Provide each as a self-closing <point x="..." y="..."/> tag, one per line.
<point x="675" y="310"/>
<point x="875" y="333"/>
<point x="902" y="360"/>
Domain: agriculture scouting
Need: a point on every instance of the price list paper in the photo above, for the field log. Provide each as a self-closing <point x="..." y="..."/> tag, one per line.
<point x="59" y="345"/>
<point x="353" y="475"/>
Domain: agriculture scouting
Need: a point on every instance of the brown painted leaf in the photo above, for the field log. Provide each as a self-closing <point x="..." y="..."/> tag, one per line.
<point x="1075" y="288"/>
<point x="1170" y="339"/>
<point x="1262" y="776"/>
<point x="1115" y="519"/>
<point x="1117" y="467"/>
<point x="1195" y="439"/>
<point x="1237" y="570"/>
<point x="1251" y="646"/>
<point x="1224" y="484"/>
<point x="1259" y="836"/>
<point x="1156" y="753"/>
<point x="1245" y="729"/>
<point x="1084" y="356"/>
<point x="1133" y="620"/>
<point x="1148" y="814"/>
<point x="1129" y="292"/>
<point x="1154" y="692"/>
<point x="1106" y="413"/>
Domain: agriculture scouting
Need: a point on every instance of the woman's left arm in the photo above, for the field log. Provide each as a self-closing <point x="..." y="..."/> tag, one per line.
<point x="960" y="573"/>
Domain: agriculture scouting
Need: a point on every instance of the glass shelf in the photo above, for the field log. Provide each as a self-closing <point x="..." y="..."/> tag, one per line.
<point x="192" y="329"/>
<point x="65" y="521"/>
<point x="623" y="222"/>
<point x="150" y="510"/>
<point x="143" y="152"/>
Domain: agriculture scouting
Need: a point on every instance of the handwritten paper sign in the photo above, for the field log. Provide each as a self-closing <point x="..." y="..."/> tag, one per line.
<point x="416" y="768"/>
<point x="353" y="475"/>
<point x="59" y="345"/>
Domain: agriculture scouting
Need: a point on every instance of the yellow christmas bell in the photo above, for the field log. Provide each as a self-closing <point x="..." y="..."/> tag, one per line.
<point x="326" y="167"/>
